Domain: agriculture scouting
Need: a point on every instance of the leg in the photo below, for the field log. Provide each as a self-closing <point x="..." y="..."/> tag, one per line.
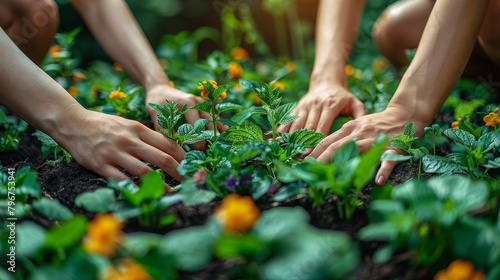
<point x="31" y="24"/>
<point x="399" y="28"/>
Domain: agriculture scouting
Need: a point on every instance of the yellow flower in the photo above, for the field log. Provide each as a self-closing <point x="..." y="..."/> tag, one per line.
<point x="204" y="91"/>
<point x="118" y="67"/>
<point x="54" y="52"/>
<point x="116" y="94"/>
<point x="492" y="119"/>
<point x="239" y="54"/>
<point x="223" y="95"/>
<point x="104" y="235"/>
<point x="127" y="269"/>
<point x="456" y="123"/>
<point x="234" y="70"/>
<point x="172" y="84"/>
<point x="280" y="85"/>
<point x="73" y="91"/>
<point x="349" y="70"/>
<point x="459" y="270"/>
<point x="78" y="77"/>
<point x="237" y="213"/>
<point x="237" y="86"/>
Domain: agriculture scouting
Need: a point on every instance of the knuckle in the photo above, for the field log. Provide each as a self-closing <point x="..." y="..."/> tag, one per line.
<point x="167" y="161"/>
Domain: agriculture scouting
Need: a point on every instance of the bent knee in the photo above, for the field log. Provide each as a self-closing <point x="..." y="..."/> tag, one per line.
<point x="30" y="14"/>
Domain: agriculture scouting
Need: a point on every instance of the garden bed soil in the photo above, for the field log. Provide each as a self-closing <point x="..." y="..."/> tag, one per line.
<point x="65" y="181"/>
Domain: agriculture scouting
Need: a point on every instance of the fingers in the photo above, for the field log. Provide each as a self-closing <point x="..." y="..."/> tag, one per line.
<point x="163" y="144"/>
<point x="385" y="169"/>
<point x="108" y="171"/>
<point x="358" y="109"/>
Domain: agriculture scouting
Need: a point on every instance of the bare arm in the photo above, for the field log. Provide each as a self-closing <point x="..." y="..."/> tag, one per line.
<point x="328" y="96"/>
<point x="442" y="55"/>
<point x="114" y="26"/>
<point x="102" y="143"/>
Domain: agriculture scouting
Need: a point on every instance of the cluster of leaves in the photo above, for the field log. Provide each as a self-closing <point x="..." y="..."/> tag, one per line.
<point x="11" y="132"/>
<point x="51" y="148"/>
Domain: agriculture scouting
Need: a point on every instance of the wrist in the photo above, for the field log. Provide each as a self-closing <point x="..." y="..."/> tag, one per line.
<point x="332" y="77"/>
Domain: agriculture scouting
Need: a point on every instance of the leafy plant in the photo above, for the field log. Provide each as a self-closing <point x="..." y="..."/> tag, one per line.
<point x="342" y="180"/>
<point x="11" y="132"/>
<point x="422" y="215"/>
<point x="50" y="147"/>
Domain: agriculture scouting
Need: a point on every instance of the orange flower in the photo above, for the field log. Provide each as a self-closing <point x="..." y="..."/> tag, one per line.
<point x="239" y="54"/>
<point x="73" y="91"/>
<point x="223" y="95"/>
<point x="237" y="86"/>
<point x="492" y="119"/>
<point x="172" y="84"/>
<point x="104" y="235"/>
<point x="379" y="65"/>
<point x="280" y="85"/>
<point x="116" y="94"/>
<point x="54" y="52"/>
<point x="118" y="67"/>
<point x="456" y="123"/>
<point x="349" y="70"/>
<point x="459" y="270"/>
<point x="78" y="77"/>
<point x="234" y="70"/>
<point x="237" y="213"/>
<point x="204" y="91"/>
<point x="127" y="269"/>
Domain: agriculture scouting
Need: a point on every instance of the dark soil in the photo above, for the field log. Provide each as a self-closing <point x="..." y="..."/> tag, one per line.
<point x="66" y="181"/>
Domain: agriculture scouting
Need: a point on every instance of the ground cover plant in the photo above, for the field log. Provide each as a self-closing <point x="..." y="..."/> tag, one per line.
<point x="250" y="206"/>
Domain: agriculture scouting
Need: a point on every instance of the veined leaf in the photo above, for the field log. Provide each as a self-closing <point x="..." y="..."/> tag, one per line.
<point x="461" y="137"/>
<point x="242" y="133"/>
<point x="306" y="138"/>
<point x="284" y="111"/>
<point x="203" y="107"/>
<point x="410" y="129"/>
<point x="227" y="107"/>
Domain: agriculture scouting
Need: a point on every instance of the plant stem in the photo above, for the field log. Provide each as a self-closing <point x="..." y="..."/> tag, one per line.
<point x="214" y="118"/>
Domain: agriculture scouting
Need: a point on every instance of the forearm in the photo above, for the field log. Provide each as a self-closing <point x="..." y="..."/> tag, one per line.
<point x="336" y="30"/>
<point x="119" y="34"/>
<point x="441" y="58"/>
<point x="30" y="93"/>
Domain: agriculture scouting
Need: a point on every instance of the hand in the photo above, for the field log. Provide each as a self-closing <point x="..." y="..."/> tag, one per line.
<point x="108" y="144"/>
<point x="321" y="105"/>
<point x="160" y="93"/>
<point x="365" y="131"/>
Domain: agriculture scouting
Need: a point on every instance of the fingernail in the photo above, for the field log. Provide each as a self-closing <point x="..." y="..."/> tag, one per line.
<point x="380" y="180"/>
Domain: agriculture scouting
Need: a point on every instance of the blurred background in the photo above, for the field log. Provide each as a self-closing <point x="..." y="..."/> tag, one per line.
<point x="275" y="28"/>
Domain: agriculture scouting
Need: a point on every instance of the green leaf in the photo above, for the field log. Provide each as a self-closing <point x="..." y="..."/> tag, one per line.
<point x="250" y="85"/>
<point x="260" y="188"/>
<point x="227" y="107"/>
<point x="242" y="133"/>
<point x="67" y="234"/>
<point x="490" y="141"/>
<point x="284" y="111"/>
<point x="30" y="238"/>
<point x="288" y="119"/>
<point x="378" y="232"/>
<point x="52" y="209"/>
<point x="461" y="137"/>
<point x="99" y="201"/>
<point x="280" y="222"/>
<point x="200" y="124"/>
<point x="345" y="153"/>
<point x="306" y="138"/>
<point x="395" y="157"/>
<point x="410" y="129"/>
<point x="399" y="144"/>
<point x="369" y="161"/>
<point x="192" y="196"/>
<point x="383" y="255"/>
<point x="203" y="107"/>
<point x="441" y="165"/>
<point x="152" y="187"/>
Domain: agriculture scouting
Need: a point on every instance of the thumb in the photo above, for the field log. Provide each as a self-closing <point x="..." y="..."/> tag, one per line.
<point x="358" y="109"/>
<point x="385" y="169"/>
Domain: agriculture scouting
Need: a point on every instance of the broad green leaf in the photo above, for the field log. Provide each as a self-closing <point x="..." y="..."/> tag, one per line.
<point x="441" y="165"/>
<point x="345" y="153"/>
<point x="203" y="107"/>
<point x="52" y="209"/>
<point x="192" y="196"/>
<point x="284" y="111"/>
<point x="288" y="119"/>
<point x="306" y="138"/>
<point x="410" y="129"/>
<point x="67" y="234"/>
<point x="395" y="157"/>
<point x="185" y="129"/>
<point x="280" y="222"/>
<point x="227" y="107"/>
<point x="152" y="187"/>
<point x="250" y="85"/>
<point x="200" y="124"/>
<point x="461" y="137"/>
<point x="242" y="133"/>
<point x="378" y="232"/>
<point x="382" y="255"/>
<point x="99" y="201"/>
<point x="260" y="188"/>
<point x="490" y="141"/>
<point x="399" y="144"/>
<point x="369" y="161"/>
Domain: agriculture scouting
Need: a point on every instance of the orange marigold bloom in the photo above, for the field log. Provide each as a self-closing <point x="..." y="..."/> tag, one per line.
<point x="280" y="85"/>
<point x="349" y="70"/>
<point x="492" y="119"/>
<point x="237" y="213"/>
<point x="116" y="94"/>
<point x="78" y="77"/>
<point x="118" y="67"/>
<point x="54" y="52"/>
<point x="234" y="70"/>
<point x="104" y="235"/>
<point x="456" y="123"/>
<point x="459" y="270"/>
<point x="127" y="269"/>
<point x="239" y="54"/>
<point x="73" y="91"/>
